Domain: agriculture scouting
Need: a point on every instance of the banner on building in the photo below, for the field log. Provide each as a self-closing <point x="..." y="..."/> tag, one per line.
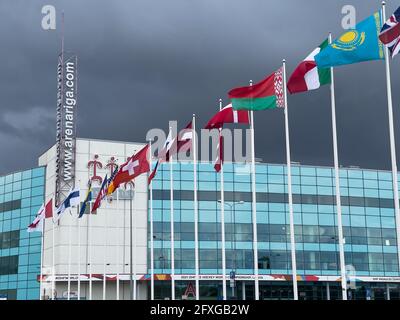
<point x="66" y="125"/>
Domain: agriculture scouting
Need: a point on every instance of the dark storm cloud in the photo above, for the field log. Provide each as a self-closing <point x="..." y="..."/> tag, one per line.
<point x="143" y="63"/>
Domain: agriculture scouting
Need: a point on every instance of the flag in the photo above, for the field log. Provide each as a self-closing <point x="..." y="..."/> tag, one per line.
<point x="307" y="75"/>
<point x="101" y="195"/>
<point x="228" y="115"/>
<point x="45" y="211"/>
<point x="185" y="138"/>
<point x="135" y="166"/>
<point x="164" y="153"/>
<point x="356" y="45"/>
<point x="267" y="94"/>
<point x="110" y="183"/>
<point x="153" y="173"/>
<point x="72" y="200"/>
<point x="220" y="153"/>
<point x="88" y="198"/>
<point x="180" y="145"/>
<point x="390" y="33"/>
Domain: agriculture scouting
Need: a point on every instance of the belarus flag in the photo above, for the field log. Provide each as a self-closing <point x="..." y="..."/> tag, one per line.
<point x="307" y="75"/>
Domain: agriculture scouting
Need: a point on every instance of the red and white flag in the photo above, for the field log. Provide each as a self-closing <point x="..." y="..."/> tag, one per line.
<point x="172" y="146"/>
<point x="228" y="115"/>
<point x="180" y="145"/>
<point x="135" y="166"/>
<point x="220" y="153"/>
<point x="165" y="153"/>
<point x="185" y="139"/>
<point x="45" y="211"/>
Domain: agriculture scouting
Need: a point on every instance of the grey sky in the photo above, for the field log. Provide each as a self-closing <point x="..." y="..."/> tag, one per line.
<point x="143" y="63"/>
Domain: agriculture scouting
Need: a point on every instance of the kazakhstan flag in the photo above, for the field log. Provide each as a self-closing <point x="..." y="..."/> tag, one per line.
<point x="356" y="45"/>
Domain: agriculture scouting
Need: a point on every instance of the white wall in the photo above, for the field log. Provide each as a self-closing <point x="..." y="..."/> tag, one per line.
<point x="109" y="227"/>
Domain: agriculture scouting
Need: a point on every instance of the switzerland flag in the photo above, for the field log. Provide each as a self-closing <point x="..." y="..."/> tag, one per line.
<point x="135" y="166"/>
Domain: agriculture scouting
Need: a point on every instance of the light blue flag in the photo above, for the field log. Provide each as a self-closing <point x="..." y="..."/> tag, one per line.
<point x="356" y="45"/>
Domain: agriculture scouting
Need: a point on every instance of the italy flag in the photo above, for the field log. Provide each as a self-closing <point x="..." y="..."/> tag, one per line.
<point x="307" y="75"/>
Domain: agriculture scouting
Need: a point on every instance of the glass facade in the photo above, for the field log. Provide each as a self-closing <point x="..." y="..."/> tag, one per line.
<point x="367" y="208"/>
<point x="21" y="195"/>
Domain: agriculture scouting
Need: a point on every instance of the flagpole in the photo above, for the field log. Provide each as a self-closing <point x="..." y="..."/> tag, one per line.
<point x="196" y="209"/>
<point x="53" y="284"/>
<point x="118" y="254"/>
<point x="69" y="257"/>
<point x="79" y="255"/>
<point x="222" y="218"/>
<point x="290" y="195"/>
<point x="337" y="186"/>
<point x="42" y="255"/>
<point x="253" y="205"/>
<point x="392" y="140"/>
<point x="131" y="184"/>
<point x="90" y="253"/>
<point x="105" y="257"/>
<point x="171" y="187"/>
<point x="134" y="245"/>
<point x="151" y="232"/>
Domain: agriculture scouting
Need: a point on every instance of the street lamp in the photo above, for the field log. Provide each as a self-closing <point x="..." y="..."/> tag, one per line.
<point x="233" y="239"/>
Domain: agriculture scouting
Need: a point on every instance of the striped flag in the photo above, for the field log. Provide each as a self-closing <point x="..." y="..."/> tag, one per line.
<point x="307" y="75"/>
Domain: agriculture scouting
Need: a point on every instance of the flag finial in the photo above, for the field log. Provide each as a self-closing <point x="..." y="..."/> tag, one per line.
<point x="383" y="2"/>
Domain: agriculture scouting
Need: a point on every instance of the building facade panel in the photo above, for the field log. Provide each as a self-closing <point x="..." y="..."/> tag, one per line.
<point x="21" y="195"/>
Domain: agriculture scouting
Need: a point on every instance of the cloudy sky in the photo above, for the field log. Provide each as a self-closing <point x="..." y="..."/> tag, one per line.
<point x="145" y="62"/>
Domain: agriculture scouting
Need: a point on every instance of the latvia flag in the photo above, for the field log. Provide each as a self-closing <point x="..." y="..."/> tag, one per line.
<point x="307" y="75"/>
<point x="228" y="115"/>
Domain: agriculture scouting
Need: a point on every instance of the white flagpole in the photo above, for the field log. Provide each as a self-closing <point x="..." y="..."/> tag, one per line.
<point x="135" y="241"/>
<point x="337" y="187"/>
<point x="254" y="206"/>
<point x="151" y="233"/>
<point x="290" y="195"/>
<point x="196" y="208"/>
<point x="69" y="257"/>
<point x="42" y="256"/>
<point x="392" y="140"/>
<point x="171" y="187"/>
<point x="53" y="284"/>
<point x="117" y="248"/>
<point x="79" y="256"/>
<point x="222" y="221"/>
<point x="90" y="253"/>
<point x="105" y="257"/>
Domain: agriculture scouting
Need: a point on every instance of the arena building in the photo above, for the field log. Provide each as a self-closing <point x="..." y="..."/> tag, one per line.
<point x="94" y="257"/>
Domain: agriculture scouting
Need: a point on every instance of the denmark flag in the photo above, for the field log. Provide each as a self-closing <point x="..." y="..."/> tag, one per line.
<point x="228" y="115"/>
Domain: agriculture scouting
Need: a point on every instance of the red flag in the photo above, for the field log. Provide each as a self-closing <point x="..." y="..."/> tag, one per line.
<point x="220" y="153"/>
<point x="45" y="211"/>
<point x="135" y="166"/>
<point x="153" y="173"/>
<point x="182" y="144"/>
<point x="48" y="210"/>
<point x="101" y="195"/>
<point x="228" y="115"/>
